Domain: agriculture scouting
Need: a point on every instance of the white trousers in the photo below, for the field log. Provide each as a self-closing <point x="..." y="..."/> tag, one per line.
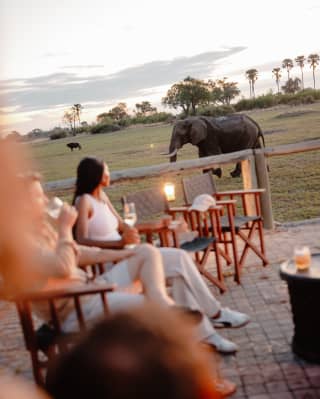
<point x="188" y="289"/>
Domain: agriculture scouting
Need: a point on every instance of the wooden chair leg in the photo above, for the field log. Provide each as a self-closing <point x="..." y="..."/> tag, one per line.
<point x="250" y="245"/>
<point x="201" y="261"/>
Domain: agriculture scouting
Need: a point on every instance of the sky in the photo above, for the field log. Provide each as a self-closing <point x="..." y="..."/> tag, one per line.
<point x="100" y="52"/>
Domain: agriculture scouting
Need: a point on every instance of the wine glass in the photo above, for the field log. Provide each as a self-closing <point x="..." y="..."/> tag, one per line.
<point x="54" y="207"/>
<point x="129" y="217"/>
<point x="129" y="214"/>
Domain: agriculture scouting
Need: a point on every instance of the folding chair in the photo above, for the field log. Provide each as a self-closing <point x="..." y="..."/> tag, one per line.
<point x="49" y="340"/>
<point x="244" y="226"/>
<point x="152" y="202"/>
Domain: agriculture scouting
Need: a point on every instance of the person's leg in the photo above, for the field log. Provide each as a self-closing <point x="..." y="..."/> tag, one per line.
<point x="146" y="266"/>
<point x="188" y="287"/>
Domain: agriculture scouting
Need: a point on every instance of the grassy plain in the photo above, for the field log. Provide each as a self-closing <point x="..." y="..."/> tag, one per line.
<point x="295" y="179"/>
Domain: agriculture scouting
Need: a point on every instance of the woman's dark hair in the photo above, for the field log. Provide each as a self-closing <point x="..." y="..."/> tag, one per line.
<point x="89" y="174"/>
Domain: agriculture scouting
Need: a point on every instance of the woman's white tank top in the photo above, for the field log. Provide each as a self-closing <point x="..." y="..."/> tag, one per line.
<point x="102" y="225"/>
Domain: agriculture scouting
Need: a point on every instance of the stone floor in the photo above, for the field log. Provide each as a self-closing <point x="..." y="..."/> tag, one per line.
<point x="264" y="367"/>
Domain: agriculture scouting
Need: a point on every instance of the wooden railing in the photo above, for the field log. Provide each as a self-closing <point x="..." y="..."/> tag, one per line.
<point x="253" y="162"/>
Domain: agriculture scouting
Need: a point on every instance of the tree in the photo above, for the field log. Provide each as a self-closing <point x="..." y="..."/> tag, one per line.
<point x="292" y="86"/>
<point x="277" y="74"/>
<point x="222" y="91"/>
<point x="287" y="64"/>
<point x="300" y="60"/>
<point x="102" y="117"/>
<point x="14" y="136"/>
<point x="252" y="76"/>
<point x="77" y="109"/>
<point x="145" y="108"/>
<point x="68" y="119"/>
<point x="119" y="112"/>
<point x="313" y="60"/>
<point x="187" y="94"/>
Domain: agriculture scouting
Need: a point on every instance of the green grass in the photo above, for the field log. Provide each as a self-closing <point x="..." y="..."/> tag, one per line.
<point x="294" y="179"/>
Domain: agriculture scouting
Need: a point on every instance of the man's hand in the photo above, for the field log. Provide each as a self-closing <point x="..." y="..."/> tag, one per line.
<point x="67" y="217"/>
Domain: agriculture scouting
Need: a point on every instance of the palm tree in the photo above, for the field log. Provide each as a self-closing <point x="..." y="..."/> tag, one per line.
<point x="252" y="76"/>
<point x="77" y="109"/>
<point x="292" y="86"/>
<point x="277" y="74"/>
<point x="300" y="60"/>
<point x="287" y="64"/>
<point x="313" y="60"/>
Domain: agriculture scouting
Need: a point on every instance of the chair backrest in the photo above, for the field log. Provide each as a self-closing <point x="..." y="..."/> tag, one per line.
<point x="196" y="185"/>
<point x="149" y="203"/>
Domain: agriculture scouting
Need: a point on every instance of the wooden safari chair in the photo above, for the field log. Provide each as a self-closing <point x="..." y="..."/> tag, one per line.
<point x="152" y="202"/>
<point x="234" y="224"/>
<point x="49" y="340"/>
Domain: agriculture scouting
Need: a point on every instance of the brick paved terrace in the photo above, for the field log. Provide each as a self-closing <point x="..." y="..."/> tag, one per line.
<point x="264" y="367"/>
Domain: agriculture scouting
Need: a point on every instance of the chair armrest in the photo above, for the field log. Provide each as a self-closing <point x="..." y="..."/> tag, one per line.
<point x="226" y="202"/>
<point x="241" y="192"/>
<point x="244" y="196"/>
<point x="86" y="289"/>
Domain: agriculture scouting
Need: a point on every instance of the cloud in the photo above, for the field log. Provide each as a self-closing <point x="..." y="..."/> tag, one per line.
<point x="82" y="66"/>
<point x="58" y="54"/>
<point x="69" y="88"/>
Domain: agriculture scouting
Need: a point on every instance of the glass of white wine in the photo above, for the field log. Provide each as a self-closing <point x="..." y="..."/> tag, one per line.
<point x="129" y="217"/>
<point x="54" y="207"/>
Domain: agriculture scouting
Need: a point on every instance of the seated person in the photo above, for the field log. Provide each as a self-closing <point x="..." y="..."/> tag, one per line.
<point x="100" y="225"/>
<point x="145" y="353"/>
<point x="54" y="259"/>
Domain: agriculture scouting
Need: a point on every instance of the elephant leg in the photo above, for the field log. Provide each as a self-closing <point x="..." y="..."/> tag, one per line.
<point x="237" y="171"/>
<point x="217" y="172"/>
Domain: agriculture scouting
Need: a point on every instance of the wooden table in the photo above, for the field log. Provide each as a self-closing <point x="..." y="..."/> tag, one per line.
<point x="304" y="290"/>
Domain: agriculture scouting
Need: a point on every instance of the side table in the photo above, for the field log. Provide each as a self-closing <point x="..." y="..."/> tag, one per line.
<point x="304" y="291"/>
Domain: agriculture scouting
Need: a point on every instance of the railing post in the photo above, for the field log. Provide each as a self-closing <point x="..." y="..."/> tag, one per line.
<point x="249" y="177"/>
<point x="263" y="182"/>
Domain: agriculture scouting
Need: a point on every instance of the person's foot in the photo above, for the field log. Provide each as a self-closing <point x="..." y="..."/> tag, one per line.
<point x="221" y="344"/>
<point x="230" y="318"/>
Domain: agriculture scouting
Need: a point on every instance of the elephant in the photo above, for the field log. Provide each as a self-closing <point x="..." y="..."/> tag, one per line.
<point x="74" y="145"/>
<point x="214" y="136"/>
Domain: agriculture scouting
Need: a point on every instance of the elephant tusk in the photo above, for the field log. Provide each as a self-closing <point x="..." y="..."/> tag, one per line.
<point x="171" y="154"/>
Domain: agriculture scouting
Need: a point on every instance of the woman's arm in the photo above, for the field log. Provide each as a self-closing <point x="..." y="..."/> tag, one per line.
<point x="81" y="230"/>
<point x="59" y="258"/>
<point x="91" y="255"/>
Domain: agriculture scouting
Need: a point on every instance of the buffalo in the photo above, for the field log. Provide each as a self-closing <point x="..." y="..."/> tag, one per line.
<point x="74" y="145"/>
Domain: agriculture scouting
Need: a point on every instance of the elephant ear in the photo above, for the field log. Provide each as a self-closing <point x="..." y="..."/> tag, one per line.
<point x="198" y="132"/>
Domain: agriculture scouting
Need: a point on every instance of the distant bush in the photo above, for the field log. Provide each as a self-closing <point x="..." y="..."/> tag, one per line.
<point x="153" y="118"/>
<point x="308" y="96"/>
<point x="215" y="111"/>
<point x="264" y="101"/>
<point x="104" y="128"/>
<point x="60" y="134"/>
<point x="124" y="122"/>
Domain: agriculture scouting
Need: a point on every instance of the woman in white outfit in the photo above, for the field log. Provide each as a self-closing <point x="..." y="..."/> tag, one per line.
<point x="100" y="225"/>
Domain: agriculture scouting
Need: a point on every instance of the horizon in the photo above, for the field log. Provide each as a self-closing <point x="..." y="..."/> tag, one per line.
<point x="55" y="56"/>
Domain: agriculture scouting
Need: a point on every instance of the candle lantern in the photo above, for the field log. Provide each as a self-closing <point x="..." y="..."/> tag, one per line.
<point x="169" y="191"/>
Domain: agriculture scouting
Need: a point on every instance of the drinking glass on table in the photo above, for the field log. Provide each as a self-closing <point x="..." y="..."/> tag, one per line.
<point x="129" y="217"/>
<point x="302" y="257"/>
